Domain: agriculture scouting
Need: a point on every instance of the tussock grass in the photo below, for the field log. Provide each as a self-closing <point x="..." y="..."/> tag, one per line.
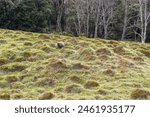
<point x="33" y="67"/>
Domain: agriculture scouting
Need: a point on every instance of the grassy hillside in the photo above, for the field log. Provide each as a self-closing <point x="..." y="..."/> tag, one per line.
<point x="32" y="67"/>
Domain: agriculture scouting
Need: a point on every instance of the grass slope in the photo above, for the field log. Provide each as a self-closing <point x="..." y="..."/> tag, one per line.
<point x="32" y="67"/>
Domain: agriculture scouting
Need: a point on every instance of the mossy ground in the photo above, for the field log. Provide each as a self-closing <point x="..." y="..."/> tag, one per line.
<point x="32" y="67"/>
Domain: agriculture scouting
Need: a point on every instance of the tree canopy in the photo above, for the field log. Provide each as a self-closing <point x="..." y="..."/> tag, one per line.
<point x="109" y="19"/>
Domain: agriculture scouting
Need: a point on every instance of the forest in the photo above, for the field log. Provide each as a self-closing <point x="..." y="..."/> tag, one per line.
<point x="125" y="20"/>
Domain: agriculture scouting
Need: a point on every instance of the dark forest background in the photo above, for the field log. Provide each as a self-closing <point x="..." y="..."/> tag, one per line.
<point x="108" y="19"/>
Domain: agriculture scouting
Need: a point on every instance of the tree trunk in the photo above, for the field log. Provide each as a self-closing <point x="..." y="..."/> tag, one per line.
<point x="97" y="19"/>
<point x="125" y="20"/>
<point x="88" y="18"/>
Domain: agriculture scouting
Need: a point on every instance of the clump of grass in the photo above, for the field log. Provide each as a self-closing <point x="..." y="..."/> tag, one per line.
<point x="19" y="59"/>
<point x="27" y="54"/>
<point x="4" y="84"/>
<point x="79" y="66"/>
<point x="119" y="50"/>
<point x="104" y="57"/>
<point x="5" y="95"/>
<point x="146" y="83"/>
<point x="45" y="82"/>
<point x="140" y="94"/>
<point x="109" y="72"/>
<point x="29" y="33"/>
<point x="91" y="84"/>
<point x="43" y="36"/>
<point x="28" y="43"/>
<point x="11" y="78"/>
<point x="46" y="49"/>
<point x="103" y="51"/>
<point x="13" y="67"/>
<point x="17" y="85"/>
<point x="13" y="44"/>
<point x="22" y="39"/>
<point x="2" y="41"/>
<point x="146" y="52"/>
<point x="73" y="41"/>
<point x="46" y="96"/>
<point x="102" y="92"/>
<point x="59" y="89"/>
<point x="57" y="64"/>
<point x="76" y="79"/>
<point x="73" y="88"/>
<point x="17" y="96"/>
<point x="138" y="58"/>
<point x="87" y="54"/>
<point x="125" y="63"/>
<point x="3" y="61"/>
<point x="9" y="54"/>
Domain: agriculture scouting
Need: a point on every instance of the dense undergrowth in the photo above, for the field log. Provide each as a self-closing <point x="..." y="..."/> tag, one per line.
<point x="32" y="67"/>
